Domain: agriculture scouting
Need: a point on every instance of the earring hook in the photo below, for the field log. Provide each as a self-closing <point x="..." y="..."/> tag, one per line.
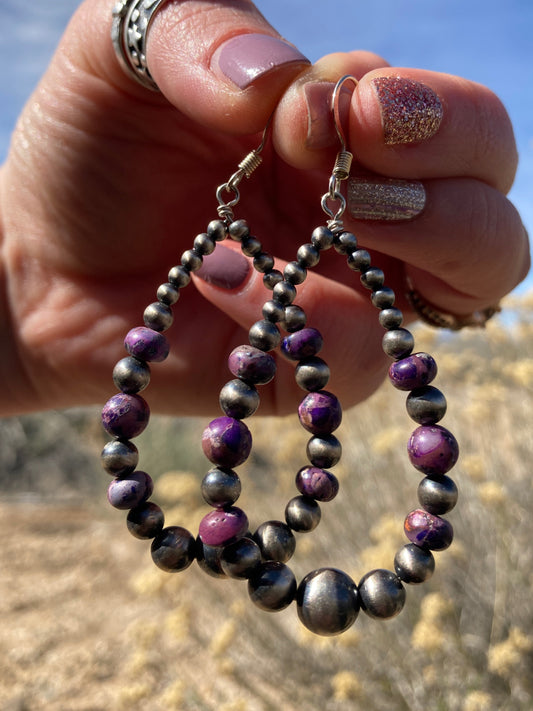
<point x="343" y="161"/>
<point x="335" y="107"/>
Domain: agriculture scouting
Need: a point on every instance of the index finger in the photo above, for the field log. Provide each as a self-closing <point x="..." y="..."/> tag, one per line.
<point x="407" y="123"/>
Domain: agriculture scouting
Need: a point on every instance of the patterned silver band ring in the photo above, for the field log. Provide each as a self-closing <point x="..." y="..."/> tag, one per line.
<point x="129" y="31"/>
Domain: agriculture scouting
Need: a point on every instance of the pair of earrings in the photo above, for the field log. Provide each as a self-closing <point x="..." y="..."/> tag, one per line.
<point x="328" y="600"/>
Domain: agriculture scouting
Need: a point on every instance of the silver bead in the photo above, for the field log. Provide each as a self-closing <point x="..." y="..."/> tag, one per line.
<point x="271" y="278"/>
<point x="359" y="260"/>
<point x="272" y="586"/>
<point x="238" y="230"/>
<point x="167" y="294"/>
<point x="240" y="559"/>
<point x="373" y="278"/>
<point x="131" y="375"/>
<point x="263" y="262"/>
<point x="413" y="564"/>
<point x="324" y="451"/>
<point x="158" y="316"/>
<point x="179" y="276"/>
<point x="276" y="541"/>
<point x="174" y="549"/>
<point x="437" y="495"/>
<point x="327" y="601"/>
<point x="284" y="292"/>
<point x="381" y="594"/>
<point x="204" y="244"/>
<point x="251" y="246"/>
<point x="221" y="487"/>
<point x="120" y="457"/>
<point x="216" y="229"/>
<point x="273" y="311"/>
<point x="426" y="405"/>
<point x="302" y="514"/>
<point x="294" y="319"/>
<point x="390" y="318"/>
<point x="264" y="335"/>
<point x="312" y="374"/>
<point x="208" y="558"/>
<point x="322" y="238"/>
<point x="308" y="255"/>
<point x="191" y="260"/>
<point x="383" y="298"/>
<point x="239" y="399"/>
<point x="345" y="243"/>
<point x="398" y="343"/>
<point x="294" y="273"/>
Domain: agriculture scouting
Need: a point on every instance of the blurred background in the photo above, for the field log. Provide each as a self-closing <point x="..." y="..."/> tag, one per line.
<point x="87" y="623"/>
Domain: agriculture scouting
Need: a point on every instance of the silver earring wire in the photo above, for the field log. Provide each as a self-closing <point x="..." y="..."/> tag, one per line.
<point x="343" y="161"/>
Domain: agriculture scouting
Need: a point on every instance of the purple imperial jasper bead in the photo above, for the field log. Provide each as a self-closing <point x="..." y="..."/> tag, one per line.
<point x="304" y="343"/>
<point x="146" y="344"/>
<point x="320" y="412"/>
<point x="226" y="442"/>
<point x="252" y="365"/>
<point x="130" y="491"/>
<point x="432" y="449"/>
<point x="428" y="531"/>
<point x="223" y="526"/>
<point x="413" y="372"/>
<point x="318" y="484"/>
<point x="125" y="416"/>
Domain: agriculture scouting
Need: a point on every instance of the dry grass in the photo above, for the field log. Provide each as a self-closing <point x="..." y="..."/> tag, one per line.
<point x="88" y="623"/>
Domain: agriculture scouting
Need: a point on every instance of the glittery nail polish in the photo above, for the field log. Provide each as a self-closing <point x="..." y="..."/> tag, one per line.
<point x="411" y="112"/>
<point x="385" y="198"/>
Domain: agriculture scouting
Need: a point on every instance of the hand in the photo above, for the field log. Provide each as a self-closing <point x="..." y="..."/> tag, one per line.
<point x="106" y="184"/>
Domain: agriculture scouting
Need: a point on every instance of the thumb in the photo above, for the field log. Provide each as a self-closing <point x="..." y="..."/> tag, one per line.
<point x="220" y="63"/>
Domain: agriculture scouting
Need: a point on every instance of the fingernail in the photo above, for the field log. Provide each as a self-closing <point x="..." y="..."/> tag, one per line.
<point x="410" y="111"/>
<point x="246" y="58"/>
<point x="320" y="125"/>
<point x="385" y="198"/>
<point x="224" y="268"/>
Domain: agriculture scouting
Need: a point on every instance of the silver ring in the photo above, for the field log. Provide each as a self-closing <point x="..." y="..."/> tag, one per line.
<point x="129" y="31"/>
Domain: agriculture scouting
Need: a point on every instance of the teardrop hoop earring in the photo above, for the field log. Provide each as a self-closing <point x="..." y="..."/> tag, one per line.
<point x="328" y="601"/>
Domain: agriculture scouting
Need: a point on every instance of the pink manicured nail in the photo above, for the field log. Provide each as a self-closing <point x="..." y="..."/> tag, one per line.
<point x="225" y="268"/>
<point x="245" y="58"/>
<point x="411" y="112"/>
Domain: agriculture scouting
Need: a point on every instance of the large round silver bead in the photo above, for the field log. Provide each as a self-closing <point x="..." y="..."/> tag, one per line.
<point x="381" y="594"/>
<point x="328" y="602"/>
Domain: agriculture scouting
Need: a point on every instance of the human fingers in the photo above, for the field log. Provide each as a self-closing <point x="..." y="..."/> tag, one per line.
<point x="406" y="123"/>
<point x="465" y="250"/>
<point x="220" y="63"/>
<point x="343" y="314"/>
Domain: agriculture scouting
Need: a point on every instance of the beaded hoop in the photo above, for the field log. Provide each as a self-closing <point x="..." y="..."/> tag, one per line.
<point x="328" y="600"/>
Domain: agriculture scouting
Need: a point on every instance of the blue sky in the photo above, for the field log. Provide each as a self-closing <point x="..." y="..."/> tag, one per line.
<point x="485" y="40"/>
